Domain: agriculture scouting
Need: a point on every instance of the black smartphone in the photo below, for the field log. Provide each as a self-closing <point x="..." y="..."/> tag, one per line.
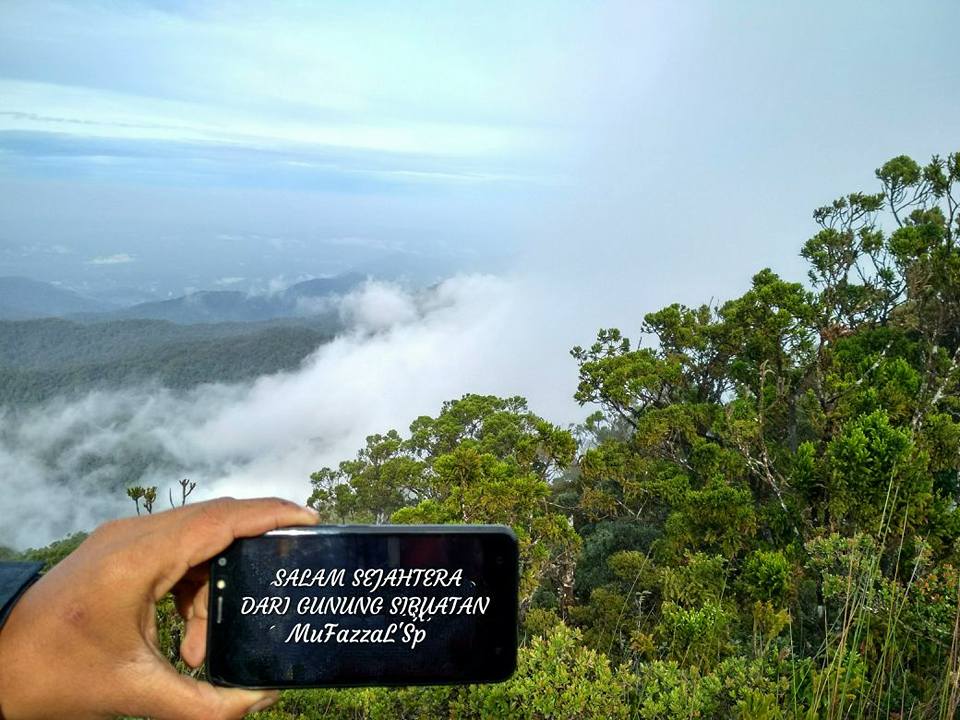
<point x="352" y="605"/>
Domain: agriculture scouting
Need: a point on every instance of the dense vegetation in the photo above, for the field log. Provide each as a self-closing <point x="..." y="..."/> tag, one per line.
<point x="45" y="358"/>
<point x="759" y="521"/>
<point x="763" y="512"/>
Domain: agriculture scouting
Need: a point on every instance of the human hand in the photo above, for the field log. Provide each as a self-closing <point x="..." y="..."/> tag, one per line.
<point x="82" y="641"/>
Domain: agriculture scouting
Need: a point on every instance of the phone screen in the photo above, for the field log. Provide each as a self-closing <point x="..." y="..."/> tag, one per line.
<point x="364" y="605"/>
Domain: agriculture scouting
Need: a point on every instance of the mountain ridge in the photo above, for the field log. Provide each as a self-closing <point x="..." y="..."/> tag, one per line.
<point x="23" y="298"/>
<point x="26" y="299"/>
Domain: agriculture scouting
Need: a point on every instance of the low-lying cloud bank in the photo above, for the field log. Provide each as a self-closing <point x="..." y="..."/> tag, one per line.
<point x="64" y="465"/>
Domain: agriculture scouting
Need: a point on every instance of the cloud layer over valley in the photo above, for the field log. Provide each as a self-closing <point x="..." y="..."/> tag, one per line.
<point x="66" y="463"/>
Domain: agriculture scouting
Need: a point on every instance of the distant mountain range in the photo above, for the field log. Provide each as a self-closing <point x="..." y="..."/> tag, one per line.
<point x="56" y="342"/>
<point x="21" y="299"/>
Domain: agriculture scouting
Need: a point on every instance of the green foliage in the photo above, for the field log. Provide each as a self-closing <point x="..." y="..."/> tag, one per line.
<point x="540" y="622"/>
<point x="794" y="452"/>
<point x="556" y="679"/>
<point x="696" y="636"/>
<point x="7" y="553"/>
<point x="718" y="518"/>
<point x="872" y="474"/>
<point x="483" y="459"/>
<point x="371" y="488"/>
<point x="603" y="540"/>
<point x="54" y="552"/>
<point x="766" y="576"/>
<point x="760" y="689"/>
<point x="609" y="621"/>
<point x="699" y="578"/>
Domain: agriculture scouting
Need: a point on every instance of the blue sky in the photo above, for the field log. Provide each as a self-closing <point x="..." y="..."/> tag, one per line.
<point x="693" y="139"/>
<point x="377" y="91"/>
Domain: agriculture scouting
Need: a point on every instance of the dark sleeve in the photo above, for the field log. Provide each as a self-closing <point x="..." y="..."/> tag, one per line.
<point x="15" y="578"/>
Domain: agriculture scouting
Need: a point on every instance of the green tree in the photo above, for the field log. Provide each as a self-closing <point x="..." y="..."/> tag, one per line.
<point x="754" y="431"/>
<point x="482" y="459"/>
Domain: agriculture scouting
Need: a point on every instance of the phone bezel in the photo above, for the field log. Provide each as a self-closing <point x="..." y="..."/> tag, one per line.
<point x="508" y="662"/>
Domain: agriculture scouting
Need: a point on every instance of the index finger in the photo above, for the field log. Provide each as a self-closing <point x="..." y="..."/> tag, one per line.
<point x="197" y="533"/>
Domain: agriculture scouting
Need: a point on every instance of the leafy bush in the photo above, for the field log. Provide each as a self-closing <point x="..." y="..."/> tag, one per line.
<point x="556" y="679"/>
<point x="766" y="576"/>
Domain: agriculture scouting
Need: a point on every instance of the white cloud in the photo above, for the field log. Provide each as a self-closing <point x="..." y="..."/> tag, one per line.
<point x="117" y="259"/>
<point x="406" y="356"/>
<point x="99" y="113"/>
<point x="36" y="249"/>
<point x="377" y="306"/>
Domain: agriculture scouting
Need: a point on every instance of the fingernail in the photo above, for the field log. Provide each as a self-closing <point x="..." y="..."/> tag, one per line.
<point x="263" y="703"/>
<point x="312" y="511"/>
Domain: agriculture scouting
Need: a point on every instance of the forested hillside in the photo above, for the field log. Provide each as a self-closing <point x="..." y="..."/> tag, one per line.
<point x="41" y="359"/>
<point x="759" y="519"/>
<point x="205" y="337"/>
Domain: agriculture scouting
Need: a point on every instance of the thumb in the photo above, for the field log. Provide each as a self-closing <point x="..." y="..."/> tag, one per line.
<point x="165" y="694"/>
